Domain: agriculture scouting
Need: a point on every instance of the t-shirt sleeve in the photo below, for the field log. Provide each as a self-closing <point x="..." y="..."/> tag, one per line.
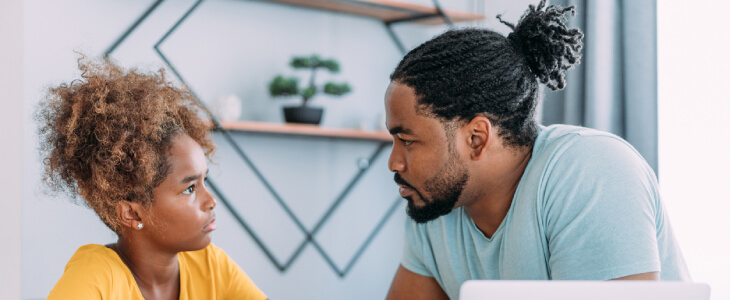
<point x="85" y="277"/>
<point x="413" y="255"/>
<point x="600" y="205"/>
<point x="239" y="286"/>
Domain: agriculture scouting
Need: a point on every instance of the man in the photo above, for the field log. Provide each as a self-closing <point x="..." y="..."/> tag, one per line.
<point x="492" y="195"/>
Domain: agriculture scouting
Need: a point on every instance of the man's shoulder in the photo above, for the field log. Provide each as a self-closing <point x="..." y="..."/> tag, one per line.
<point x="560" y="133"/>
<point x="579" y="143"/>
<point x="571" y="155"/>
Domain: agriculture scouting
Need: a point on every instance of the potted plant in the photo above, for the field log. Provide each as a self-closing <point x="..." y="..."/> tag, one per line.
<point x="289" y="86"/>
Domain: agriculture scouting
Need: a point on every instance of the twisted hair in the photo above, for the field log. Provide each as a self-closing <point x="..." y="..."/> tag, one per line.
<point x="464" y="73"/>
<point x="106" y="136"/>
<point x="549" y="46"/>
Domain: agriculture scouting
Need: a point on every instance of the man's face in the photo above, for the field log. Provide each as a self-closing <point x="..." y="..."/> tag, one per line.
<point x="429" y="172"/>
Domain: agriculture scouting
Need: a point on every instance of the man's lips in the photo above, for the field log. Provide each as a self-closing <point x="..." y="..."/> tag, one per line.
<point x="405" y="191"/>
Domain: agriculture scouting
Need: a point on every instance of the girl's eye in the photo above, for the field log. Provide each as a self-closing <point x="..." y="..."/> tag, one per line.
<point x="190" y="190"/>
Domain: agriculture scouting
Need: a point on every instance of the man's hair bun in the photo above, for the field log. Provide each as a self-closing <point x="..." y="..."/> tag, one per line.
<point x="548" y="45"/>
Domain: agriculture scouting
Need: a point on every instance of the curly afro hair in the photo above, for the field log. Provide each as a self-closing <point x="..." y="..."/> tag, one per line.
<point x="464" y="73"/>
<point x="105" y="136"/>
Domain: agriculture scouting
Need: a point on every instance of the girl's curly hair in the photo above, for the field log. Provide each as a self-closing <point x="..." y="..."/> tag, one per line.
<point x="106" y="136"/>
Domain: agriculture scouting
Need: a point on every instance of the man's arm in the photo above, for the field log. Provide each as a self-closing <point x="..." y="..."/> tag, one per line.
<point x="409" y="285"/>
<point x="642" y="276"/>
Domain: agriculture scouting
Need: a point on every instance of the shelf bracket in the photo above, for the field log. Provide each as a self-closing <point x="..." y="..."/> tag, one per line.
<point x="397" y="41"/>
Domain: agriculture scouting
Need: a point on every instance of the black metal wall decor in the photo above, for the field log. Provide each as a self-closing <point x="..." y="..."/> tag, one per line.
<point x="364" y="167"/>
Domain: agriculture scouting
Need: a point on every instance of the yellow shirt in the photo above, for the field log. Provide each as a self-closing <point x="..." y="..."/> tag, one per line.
<point x="97" y="272"/>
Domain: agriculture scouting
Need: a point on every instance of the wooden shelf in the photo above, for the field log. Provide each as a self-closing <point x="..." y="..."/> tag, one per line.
<point x="385" y="10"/>
<point x="307" y="130"/>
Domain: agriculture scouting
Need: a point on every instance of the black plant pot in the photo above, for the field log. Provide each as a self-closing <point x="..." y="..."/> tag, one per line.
<point x="303" y="114"/>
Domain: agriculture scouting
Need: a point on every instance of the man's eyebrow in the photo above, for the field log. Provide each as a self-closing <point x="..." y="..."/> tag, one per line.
<point x="399" y="129"/>
<point x="193" y="177"/>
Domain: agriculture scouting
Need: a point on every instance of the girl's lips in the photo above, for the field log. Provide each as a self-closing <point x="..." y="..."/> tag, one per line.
<point x="405" y="191"/>
<point x="210" y="227"/>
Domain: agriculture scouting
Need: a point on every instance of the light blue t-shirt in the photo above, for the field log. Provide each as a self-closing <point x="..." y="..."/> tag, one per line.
<point x="586" y="208"/>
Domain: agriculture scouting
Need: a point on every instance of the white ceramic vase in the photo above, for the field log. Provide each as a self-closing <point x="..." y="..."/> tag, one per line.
<point x="227" y="108"/>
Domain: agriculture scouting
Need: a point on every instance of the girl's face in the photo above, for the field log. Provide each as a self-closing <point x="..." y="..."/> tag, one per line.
<point x="181" y="214"/>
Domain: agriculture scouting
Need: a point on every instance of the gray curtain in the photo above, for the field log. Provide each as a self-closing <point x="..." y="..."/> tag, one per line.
<point x="614" y="88"/>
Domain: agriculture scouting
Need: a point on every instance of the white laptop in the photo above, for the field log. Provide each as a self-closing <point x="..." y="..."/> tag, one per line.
<point x="581" y="290"/>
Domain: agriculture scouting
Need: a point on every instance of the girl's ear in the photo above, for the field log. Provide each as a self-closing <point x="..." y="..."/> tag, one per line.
<point x="128" y="214"/>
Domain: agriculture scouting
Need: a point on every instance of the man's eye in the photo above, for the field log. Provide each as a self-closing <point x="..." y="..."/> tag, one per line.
<point x="190" y="190"/>
<point x="405" y="142"/>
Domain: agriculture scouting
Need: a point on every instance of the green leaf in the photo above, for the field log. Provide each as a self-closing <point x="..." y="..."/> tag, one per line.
<point x="309" y="92"/>
<point x="331" y="65"/>
<point x="282" y="86"/>
<point x="337" y="89"/>
<point x="305" y="62"/>
<point x="300" y="62"/>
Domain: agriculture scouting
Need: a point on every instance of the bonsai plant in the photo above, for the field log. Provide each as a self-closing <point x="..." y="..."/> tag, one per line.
<point x="289" y="86"/>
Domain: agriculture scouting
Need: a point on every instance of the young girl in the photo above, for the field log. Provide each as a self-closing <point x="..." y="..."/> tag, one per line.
<point x="133" y="147"/>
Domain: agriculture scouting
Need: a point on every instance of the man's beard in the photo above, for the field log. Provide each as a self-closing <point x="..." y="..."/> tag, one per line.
<point x="445" y="188"/>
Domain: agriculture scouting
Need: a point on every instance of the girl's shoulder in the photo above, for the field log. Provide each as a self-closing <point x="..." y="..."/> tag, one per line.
<point x="93" y="271"/>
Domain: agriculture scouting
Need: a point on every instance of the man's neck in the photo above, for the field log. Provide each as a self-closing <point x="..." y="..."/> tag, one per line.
<point x="495" y="193"/>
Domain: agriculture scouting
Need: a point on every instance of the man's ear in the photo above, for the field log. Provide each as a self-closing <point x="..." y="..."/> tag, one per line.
<point x="479" y="134"/>
<point x="128" y="214"/>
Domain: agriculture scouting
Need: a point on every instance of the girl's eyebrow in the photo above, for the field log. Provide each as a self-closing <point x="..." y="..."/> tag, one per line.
<point x="193" y="177"/>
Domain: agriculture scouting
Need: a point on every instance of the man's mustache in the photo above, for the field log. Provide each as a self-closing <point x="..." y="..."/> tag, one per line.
<point x="400" y="181"/>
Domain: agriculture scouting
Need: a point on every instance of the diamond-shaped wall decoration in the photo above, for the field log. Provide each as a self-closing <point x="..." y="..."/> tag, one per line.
<point x="308" y="233"/>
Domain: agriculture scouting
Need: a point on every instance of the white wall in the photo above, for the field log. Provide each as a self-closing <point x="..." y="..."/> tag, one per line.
<point x="236" y="47"/>
<point x="11" y="85"/>
<point x="694" y="135"/>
